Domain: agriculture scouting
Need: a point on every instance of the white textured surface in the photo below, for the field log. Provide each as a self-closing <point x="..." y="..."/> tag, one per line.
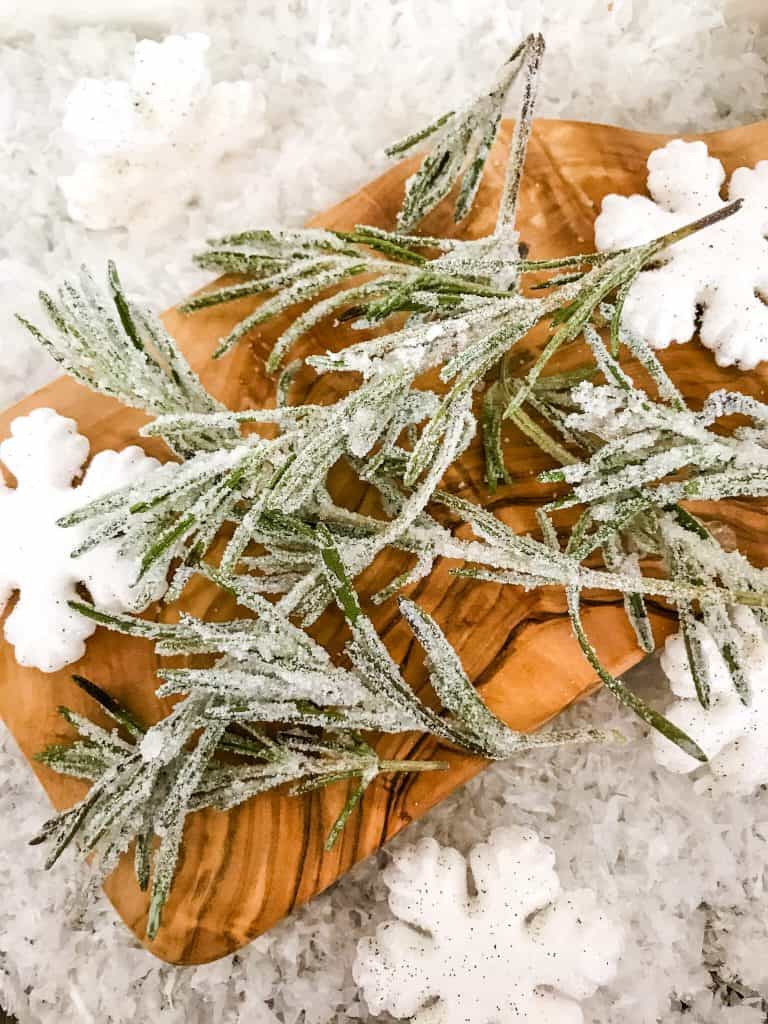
<point x="34" y="14"/>
<point x="340" y="79"/>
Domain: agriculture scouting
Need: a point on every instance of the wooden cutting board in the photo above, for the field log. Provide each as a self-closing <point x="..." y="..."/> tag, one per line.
<point x="242" y="871"/>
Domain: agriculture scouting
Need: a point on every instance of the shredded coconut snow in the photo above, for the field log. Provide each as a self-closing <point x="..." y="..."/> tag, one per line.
<point x="342" y="80"/>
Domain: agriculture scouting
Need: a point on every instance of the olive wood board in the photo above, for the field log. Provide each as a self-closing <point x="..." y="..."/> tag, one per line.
<point x="242" y="871"/>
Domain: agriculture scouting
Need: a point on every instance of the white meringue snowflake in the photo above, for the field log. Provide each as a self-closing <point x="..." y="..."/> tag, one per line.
<point x="734" y="736"/>
<point x="721" y="271"/>
<point x="45" y="453"/>
<point x="519" y="950"/>
<point x="152" y="144"/>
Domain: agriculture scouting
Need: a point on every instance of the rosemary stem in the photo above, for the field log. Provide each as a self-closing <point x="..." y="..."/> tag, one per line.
<point x="664" y="241"/>
<point x="413" y="766"/>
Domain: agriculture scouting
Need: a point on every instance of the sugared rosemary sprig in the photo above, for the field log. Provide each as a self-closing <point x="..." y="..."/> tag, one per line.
<point x="461" y="143"/>
<point x="266" y="671"/>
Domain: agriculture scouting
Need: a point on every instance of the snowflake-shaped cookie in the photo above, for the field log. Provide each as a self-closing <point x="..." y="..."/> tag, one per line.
<point x="45" y="453"/>
<point x="734" y="736"/>
<point x="518" y="950"/>
<point x="149" y="145"/>
<point x="720" y="272"/>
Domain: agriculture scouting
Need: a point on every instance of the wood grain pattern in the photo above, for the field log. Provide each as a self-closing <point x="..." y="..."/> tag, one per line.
<point x="244" y="870"/>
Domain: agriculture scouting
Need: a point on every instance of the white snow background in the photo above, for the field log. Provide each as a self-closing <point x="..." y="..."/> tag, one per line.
<point x="332" y="82"/>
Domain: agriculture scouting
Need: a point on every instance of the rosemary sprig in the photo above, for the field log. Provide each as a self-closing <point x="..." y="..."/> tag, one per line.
<point x="266" y="671"/>
<point x="462" y="141"/>
<point x="300" y="266"/>
<point x="645" y="456"/>
<point x="116" y="347"/>
<point x="148" y="788"/>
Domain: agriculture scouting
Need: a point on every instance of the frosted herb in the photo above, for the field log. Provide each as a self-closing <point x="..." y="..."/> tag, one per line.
<point x="461" y="142"/>
<point x="266" y="670"/>
<point x="272" y="695"/>
<point x="647" y="456"/>
<point x="118" y="348"/>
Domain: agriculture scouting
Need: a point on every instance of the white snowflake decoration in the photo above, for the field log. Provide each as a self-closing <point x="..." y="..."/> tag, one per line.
<point x="733" y="735"/>
<point x="152" y="144"/>
<point x="519" y="950"/>
<point x="723" y="270"/>
<point x="45" y="453"/>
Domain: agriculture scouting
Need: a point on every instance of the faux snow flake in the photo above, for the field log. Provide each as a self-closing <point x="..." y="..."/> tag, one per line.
<point x="733" y="734"/>
<point x="150" y="144"/>
<point x="716" y="281"/>
<point x="519" y="950"/>
<point x="45" y="453"/>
